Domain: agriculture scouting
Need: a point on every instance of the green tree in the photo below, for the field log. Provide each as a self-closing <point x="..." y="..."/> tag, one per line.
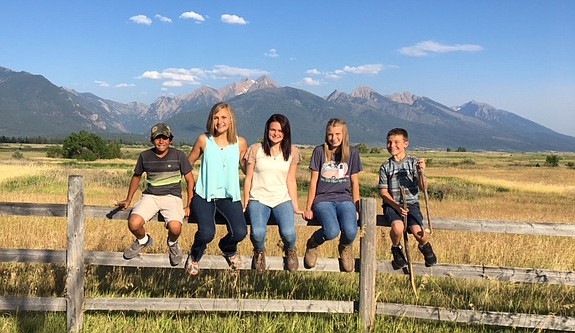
<point x="552" y="160"/>
<point x="89" y="147"/>
<point x="362" y="147"/>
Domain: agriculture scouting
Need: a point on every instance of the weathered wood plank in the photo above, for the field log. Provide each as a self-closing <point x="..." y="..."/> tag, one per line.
<point x="218" y="304"/>
<point x="488" y="226"/>
<point x="32" y="209"/>
<point x="533" y="321"/>
<point x="75" y="255"/>
<point x="33" y="303"/>
<point x="550" y="322"/>
<point x="207" y="262"/>
<point x="33" y="256"/>
<point x="508" y="274"/>
<point x="503" y="274"/>
<point x="367" y="275"/>
<point x="500" y="227"/>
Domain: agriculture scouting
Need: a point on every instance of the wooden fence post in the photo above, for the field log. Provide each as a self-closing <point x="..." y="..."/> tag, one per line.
<point x="75" y="254"/>
<point x="368" y="268"/>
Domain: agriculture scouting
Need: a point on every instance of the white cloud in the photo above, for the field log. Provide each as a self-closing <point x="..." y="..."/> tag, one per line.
<point x="233" y="19"/>
<point x="178" y="77"/>
<point x="192" y="16"/>
<point x="272" y="53"/>
<point x="224" y="71"/>
<point x="172" y="84"/>
<point x="141" y="19"/>
<point x="333" y="76"/>
<point x="313" y="72"/>
<point x="308" y="81"/>
<point x="426" y="47"/>
<point x="105" y="84"/>
<point x="163" y="18"/>
<point x="124" y="85"/>
<point x="102" y="83"/>
<point x="371" y="69"/>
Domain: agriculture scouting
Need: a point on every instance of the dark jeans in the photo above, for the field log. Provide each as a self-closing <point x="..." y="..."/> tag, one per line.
<point x="204" y="213"/>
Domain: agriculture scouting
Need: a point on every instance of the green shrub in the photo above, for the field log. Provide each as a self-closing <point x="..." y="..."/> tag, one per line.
<point x="55" y="152"/>
<point x="552" y="160"/>
<point x="18" y="155"/>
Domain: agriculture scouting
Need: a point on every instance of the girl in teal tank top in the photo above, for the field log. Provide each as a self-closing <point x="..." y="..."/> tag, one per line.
<point x="218" y="188"/>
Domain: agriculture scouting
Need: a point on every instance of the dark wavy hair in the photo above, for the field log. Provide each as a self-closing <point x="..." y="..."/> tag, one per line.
<point x="286" y="129"/>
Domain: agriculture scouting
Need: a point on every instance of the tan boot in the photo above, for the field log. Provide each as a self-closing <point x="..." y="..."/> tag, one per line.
<point x="291" y="260"/>
<point x="346" y="257"/>
<point x="310" y="258"/>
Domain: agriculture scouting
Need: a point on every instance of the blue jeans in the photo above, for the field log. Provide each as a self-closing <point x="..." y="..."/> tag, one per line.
<point x="204" y="213"/>
<point x="333" y="217"/>
<point x="259" y="215"/>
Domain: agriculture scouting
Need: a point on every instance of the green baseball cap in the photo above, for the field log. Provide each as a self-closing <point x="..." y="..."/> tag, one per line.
<point x="161" y="129"/>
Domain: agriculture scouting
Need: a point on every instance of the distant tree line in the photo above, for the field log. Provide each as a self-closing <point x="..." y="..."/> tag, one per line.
<point x="25" y="139"/>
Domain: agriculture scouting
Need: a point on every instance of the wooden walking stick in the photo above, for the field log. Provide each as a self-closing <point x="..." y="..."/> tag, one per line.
<point x="406" y="244"/>
<point x="425" y="197"/>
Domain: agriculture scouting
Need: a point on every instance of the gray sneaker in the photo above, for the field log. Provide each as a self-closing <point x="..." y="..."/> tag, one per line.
<point x="175" y="254"/>
<point x="134" y="249"/>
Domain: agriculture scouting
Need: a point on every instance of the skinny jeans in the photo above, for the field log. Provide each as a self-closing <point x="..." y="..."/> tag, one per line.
<point x="259" y="215"/>
<point x="335" y="216"/>
<point x="204" y="213"/>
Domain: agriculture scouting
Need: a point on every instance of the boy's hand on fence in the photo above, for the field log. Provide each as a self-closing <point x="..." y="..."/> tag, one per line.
<point x="123" y="204"/>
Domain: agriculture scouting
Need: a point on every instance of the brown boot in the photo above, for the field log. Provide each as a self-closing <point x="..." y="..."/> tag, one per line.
<point x="291" y="260"/>
<point x="346" y="257"/>
<point x="310" y="258"/>
<point x="259" y="261"/>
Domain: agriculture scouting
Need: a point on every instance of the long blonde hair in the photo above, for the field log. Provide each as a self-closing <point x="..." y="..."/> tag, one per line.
<point x="232" y="132"/>
<point x="344" y="147"/>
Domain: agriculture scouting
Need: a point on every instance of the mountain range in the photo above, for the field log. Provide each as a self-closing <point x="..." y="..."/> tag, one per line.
<point x="31" y="106"/>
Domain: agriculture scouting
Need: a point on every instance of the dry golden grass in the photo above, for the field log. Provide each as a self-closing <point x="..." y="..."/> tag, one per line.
<point x="505" y="187"/>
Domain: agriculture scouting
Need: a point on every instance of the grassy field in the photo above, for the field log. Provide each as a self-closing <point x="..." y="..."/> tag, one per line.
<point x="489" y="186"/>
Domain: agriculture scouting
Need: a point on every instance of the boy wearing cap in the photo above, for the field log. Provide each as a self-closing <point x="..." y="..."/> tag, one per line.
<point x="164" y="167"/>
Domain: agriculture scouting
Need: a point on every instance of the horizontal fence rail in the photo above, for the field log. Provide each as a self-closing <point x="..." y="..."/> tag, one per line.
<point x="559" y="323"/>
<point x="503" y="274"/>
<point x="76" y="259"/>
<point x="467" y="225"/>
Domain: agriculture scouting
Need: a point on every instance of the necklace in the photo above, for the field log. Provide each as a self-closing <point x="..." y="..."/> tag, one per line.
<point x="223" y="156"/>
<point x="275" y="152"/>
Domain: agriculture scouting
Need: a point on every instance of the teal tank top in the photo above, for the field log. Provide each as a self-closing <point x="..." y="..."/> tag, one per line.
<point x="218" y="177"/>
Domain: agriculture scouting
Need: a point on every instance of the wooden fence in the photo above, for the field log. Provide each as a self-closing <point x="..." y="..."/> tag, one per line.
<point x="74" y="303"/>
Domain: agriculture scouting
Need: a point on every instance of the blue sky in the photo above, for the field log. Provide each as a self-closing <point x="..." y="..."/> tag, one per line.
<point x="517" y="55"/>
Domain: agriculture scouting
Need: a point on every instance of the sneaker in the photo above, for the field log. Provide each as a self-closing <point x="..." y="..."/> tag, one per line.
<point x="175" y="254"/>
<point x="134" y="249"/>
<point x="398" y="257"/>
<point x="259" y="261"/>
<point x="234" y="261"/>
<point x="310" y="258"/>
<point x="428" y="255"/>
<point x="292" y="262"/>
<point x="192" y="267"/>
<point x="346" y="257"/>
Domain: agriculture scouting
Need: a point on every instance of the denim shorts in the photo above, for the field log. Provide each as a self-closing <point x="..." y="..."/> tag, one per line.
<point x="414" y="217"/>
